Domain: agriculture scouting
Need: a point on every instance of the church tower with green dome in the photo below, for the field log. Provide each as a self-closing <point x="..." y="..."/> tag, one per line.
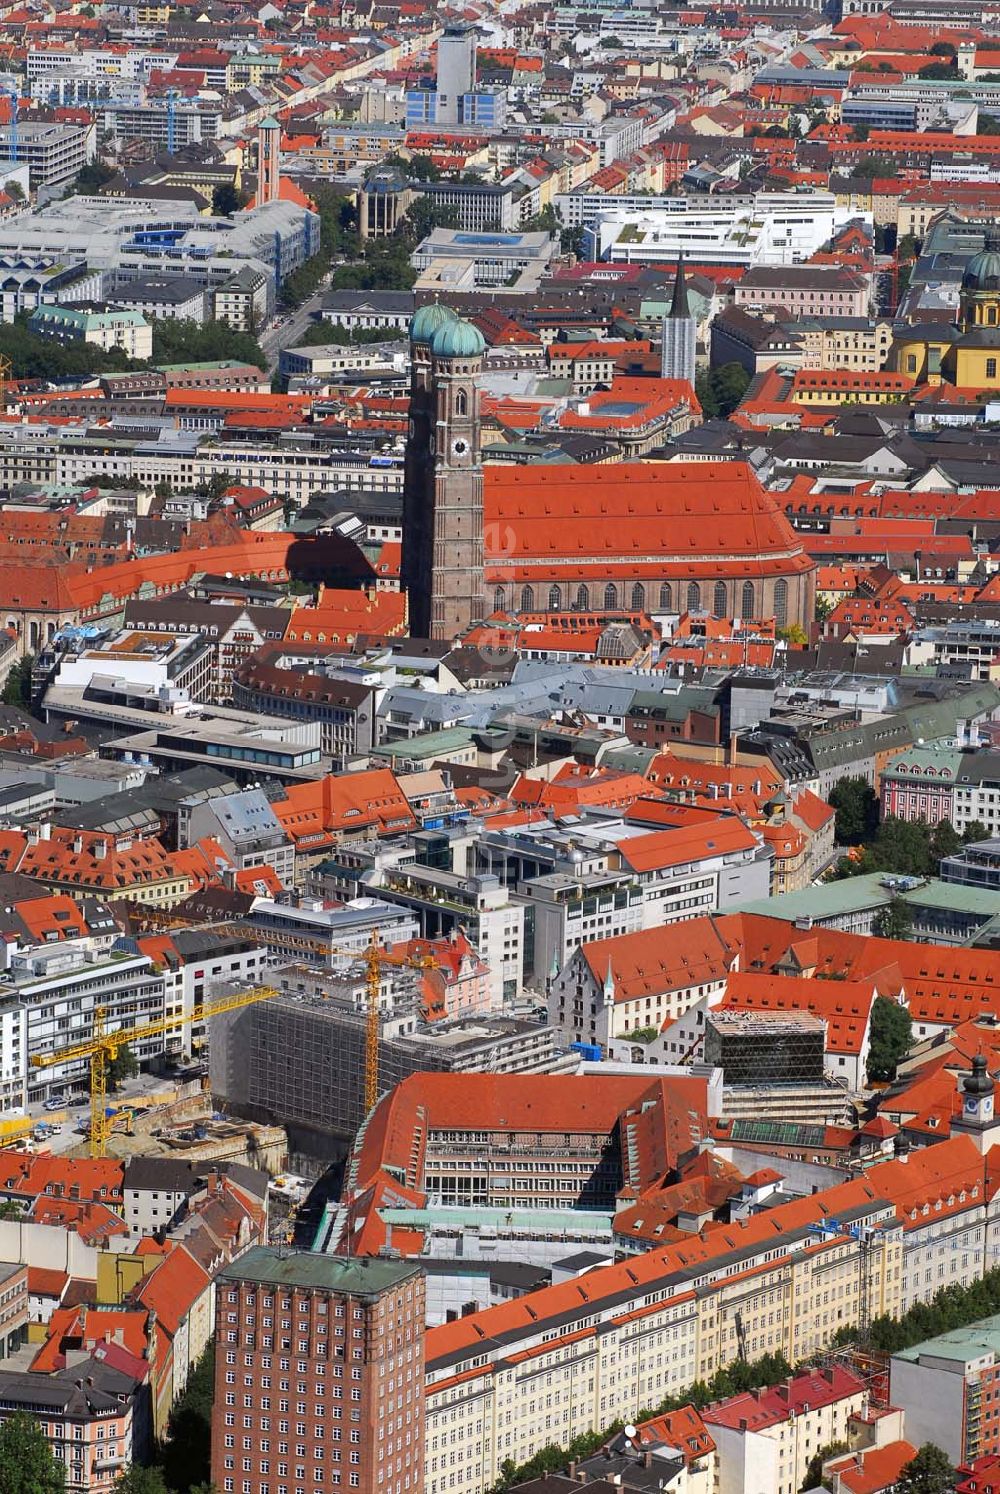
<point x="443" y="483"/>
<point x="980" y="296"/>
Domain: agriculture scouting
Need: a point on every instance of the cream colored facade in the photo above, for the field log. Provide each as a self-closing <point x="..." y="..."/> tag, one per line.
<point x="776" y="1458"/>
<point x="865" y="348"/>
<point x="788" y="1293"/>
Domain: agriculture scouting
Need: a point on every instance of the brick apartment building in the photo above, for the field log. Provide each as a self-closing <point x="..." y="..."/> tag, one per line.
<point x="319" y="1375"/>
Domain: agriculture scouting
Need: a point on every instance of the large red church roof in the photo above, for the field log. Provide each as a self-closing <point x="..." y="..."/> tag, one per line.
<point x="687" y="519"/>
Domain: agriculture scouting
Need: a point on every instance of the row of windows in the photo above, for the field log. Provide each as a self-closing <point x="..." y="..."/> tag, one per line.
<point x="692" y="599"/>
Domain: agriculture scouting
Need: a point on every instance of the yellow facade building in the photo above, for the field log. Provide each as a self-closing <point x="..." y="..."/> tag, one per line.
<point x="967" y="356"/>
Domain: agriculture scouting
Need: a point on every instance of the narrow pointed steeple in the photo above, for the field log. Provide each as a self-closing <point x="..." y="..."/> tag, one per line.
<point x="679" y="305"/>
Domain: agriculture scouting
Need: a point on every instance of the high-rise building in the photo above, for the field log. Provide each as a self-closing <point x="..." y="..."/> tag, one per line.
<point x="318" y="1375"/>
<point x="456" y="71"/>
<point x="680" y="333"/>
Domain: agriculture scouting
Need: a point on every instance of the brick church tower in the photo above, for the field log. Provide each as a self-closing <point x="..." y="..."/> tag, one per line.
<point x="443" y="481"/>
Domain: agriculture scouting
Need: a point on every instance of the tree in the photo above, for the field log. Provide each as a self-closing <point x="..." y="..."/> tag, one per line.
<point x="974" y="830"/>
<point x="226" y="200"/>
<point x="326" y="334"/>
<point x="929" y="1472"/>
<point x="795" y="634"/>
<point x="943" y="71"/>
<point x="571" y="241"/>
<point x="720" y="390"/>
<point x="187" y="1451"/>
<point x="425" y="215"/>
<point x="873" y="166"/>
<point x="895" y="921"/>
<point x="10" y="1209"/>
<point x="14" y="191"/>
<point x="17" y="686"/>
<point x="857" y="810"/>
<point x="908" y="247"/>
<point x="92" y="177"/>
<point x="123" y="1066"/>
<point x="216" y="486"/>
<point x="547" y="221"/>
<point x="814" y="1473"/>
<point x="890" y="1038"/>
<point x="186" y="341"/>
<point x="944" y="49"/>
<point x="823" y="608"/>
<point x="988" y="125"/>
<point x="34" y="357"/>
<point x="945" y="840"/>
<point x="885" y="238"/>
<point x="27" y="1463"/>
<point x="902" y="846"/>
<point x="139" y="1480"/>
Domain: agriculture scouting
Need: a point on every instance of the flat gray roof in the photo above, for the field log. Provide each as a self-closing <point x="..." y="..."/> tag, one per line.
<point x="364" y="1276"/>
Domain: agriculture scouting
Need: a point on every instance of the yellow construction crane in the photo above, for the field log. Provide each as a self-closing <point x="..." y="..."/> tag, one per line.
<point x="374" y="955"/>
<point x="102" y="1046"/>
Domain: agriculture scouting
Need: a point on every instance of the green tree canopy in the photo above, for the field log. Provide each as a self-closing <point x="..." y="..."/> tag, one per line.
<point x="945" y="841"/>
<point x="226" y="200"/>
<point x="17" y="685"/>
<point x="139" y="1480"/>
<point x="857" y="810"/>
<point x="891" y="1035"/>
<point x="27" y="1462"/>
<point x="184" y="341"/>
<point x="873" y="166"/>
<point x="974" y="830"/>
<point x="942" y="71"/>
<point x="123" y="1066"/>
<point x="894" y="921"/>
<point x="720" y="390"/>
<point x="814" y="1473"/>
<point x="187" y="1451"/>
<point x="928" y="1472"/>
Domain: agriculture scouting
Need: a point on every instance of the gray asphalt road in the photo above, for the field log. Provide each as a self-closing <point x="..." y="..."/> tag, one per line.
<point x="287" y="333"/>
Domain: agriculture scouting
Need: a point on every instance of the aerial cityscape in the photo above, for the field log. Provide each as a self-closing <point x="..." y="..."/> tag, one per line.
<point x="499" y="747"/>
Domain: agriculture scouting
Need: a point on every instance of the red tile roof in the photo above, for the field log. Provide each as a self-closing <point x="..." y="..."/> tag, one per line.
<point x="845" y="1006"/>
<point x="173" y="1288"/>
<point x="675" y="957"/>
<point x="655" y="519"/>
<point x="757" y="1410"/>
<point x="875" y="1470"/>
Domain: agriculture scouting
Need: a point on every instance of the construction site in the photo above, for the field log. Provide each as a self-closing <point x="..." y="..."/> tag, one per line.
<point x="300" y="1059"/>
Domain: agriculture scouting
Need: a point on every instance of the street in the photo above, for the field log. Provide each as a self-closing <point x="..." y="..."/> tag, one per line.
<point x="286" y="332"/>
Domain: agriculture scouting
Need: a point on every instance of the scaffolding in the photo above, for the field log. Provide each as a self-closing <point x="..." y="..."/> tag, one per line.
<point x="766" y="1048"/>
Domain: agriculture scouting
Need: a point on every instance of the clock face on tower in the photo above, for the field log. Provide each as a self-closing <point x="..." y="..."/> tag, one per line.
<point x="970" y="1106"/>
<point x="459" y="448"/>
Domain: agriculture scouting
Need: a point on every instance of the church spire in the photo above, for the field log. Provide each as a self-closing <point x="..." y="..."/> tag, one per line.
<point x="679" y="305"/>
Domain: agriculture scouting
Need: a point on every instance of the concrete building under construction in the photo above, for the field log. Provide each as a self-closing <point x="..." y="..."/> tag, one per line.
<point x="298" y="1060"/>
<point x="753" y="1047"/>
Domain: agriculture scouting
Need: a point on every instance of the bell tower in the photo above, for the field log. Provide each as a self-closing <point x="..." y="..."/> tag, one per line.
<point x="978" y="1119"/>
<point x="443" y="477"/>
<point x="457" y="563"/>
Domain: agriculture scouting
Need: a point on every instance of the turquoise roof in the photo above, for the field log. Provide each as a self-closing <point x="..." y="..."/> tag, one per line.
<point x="458" y="339"/>
<point x="428" y="319"/>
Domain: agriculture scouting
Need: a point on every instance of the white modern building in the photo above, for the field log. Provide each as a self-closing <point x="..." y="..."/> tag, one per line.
<point x="771" y="229"/>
